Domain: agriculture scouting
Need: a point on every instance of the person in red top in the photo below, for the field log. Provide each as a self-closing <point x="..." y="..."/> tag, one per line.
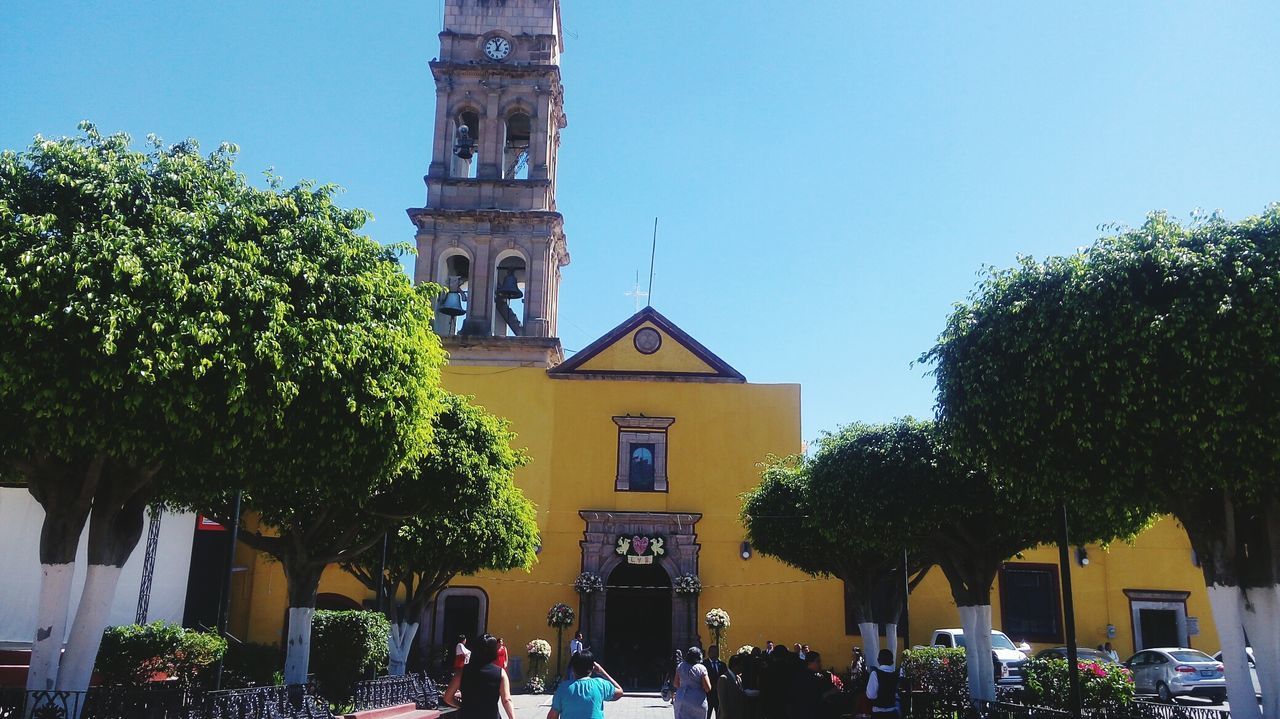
<point x="502" y="654"/>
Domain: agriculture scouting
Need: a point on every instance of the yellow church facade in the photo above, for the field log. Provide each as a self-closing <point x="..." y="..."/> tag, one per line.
<point x="642" y="443"/>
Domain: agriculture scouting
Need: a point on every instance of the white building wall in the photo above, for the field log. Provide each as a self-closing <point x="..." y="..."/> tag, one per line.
<point x="20" y="518"/>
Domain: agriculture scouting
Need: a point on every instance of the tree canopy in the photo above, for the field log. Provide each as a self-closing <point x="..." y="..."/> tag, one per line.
<point x="1141" y="373"/>
<point x="475" y="518"/>
<point x="171" y="333"/>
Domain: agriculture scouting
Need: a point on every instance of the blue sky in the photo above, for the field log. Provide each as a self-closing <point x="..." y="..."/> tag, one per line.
<point x="830" y="175"/>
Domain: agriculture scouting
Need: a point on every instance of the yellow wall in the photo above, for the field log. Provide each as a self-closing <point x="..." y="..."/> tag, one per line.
<point x="721" y="432"/>
<point x="1159" y="559"/>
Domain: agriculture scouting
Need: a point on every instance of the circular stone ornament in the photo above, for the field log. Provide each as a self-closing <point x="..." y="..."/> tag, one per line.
<point x="647" y="340"/>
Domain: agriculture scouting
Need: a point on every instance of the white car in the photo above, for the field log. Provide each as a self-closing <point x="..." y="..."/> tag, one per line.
<point x="1009" y="657"/>
<point x="1253" y="670"/>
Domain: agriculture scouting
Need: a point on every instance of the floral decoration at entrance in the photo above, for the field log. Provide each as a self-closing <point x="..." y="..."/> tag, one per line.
<point x="640" y="549"/>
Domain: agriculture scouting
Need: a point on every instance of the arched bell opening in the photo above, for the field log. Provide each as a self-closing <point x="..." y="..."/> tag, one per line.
<point x="638" y="607"/>
<point x="515" y="146"/>
<point x="455" y="276"/>
<point x="509" y="291"/>
<point x="466" y="144"/>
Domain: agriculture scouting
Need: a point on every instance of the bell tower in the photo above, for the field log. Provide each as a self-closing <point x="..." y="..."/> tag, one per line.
<point x="490" y="232"/>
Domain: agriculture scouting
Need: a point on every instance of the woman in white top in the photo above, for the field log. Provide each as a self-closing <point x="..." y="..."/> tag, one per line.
<point x="461" y="655"/>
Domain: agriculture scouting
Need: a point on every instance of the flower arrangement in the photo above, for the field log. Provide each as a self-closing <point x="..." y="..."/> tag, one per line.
<point x="560" y="616"/>
<point x="539" y="648"/>
<point x="588" y="583"/>
<point x="717" y="619"/>
<point x="688" y="585"/>
<point x="745" y="649"/>
<point x="535" y="685"/>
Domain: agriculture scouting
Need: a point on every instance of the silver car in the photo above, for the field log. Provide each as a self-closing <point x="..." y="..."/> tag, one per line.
<point x="1170" y="672"/>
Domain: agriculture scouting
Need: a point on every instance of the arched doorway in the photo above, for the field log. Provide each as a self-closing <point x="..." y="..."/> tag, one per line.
<point x="638" y="625"/>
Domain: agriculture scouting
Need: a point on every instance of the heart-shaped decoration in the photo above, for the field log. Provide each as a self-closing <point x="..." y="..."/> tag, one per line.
<point x="640" y="544"/>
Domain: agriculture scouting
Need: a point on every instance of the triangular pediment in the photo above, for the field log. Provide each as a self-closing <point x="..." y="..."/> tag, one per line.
<point x="647" y="346"/>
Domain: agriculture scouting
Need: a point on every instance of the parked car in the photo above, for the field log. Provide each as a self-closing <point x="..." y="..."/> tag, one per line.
<point x="1008" y="658"/>
<point x="1083" y="654"/>
<point x="1253" y="669"/>
<point x="1170" y="672"/>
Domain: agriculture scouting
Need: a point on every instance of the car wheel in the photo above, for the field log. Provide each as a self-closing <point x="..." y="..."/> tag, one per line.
<point x="1163" y="693"/>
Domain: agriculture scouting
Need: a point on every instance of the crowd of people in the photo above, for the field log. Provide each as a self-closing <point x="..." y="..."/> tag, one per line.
<point x="770" y="682"/>
<point x="775" y="682"/>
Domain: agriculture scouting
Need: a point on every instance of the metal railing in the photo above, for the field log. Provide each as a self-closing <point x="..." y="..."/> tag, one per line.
<point x="417" y="689"/>
<point x="920" y="705"/>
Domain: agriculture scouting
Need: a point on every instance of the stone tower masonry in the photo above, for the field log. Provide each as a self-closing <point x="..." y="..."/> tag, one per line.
<point x="490" y="220"/>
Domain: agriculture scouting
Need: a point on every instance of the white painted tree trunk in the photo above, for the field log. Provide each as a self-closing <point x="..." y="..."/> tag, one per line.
<point x="398" y="645"/>
<point x="870" y="642"/>
<point x="1226" y="603"/>
<point x="891" y="640"/>
<point x="981" y="643"/>
<point x="298" y="653"/>
<point x="86" y="633"/>
<point x="51" y="625"/>
<point x="969" y="624"/>
<point x="1261" y="615"/>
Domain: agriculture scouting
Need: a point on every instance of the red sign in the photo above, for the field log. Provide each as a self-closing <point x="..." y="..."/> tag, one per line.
<point x="204" y="524"/>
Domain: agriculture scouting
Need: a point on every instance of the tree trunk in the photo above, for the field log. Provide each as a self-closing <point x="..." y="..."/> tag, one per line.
<point x="303" y="582"/>
<point x="870" y="642"/>
<point x="65" y="492"/>
<point x="1239" y="550"/>
<point x="969" y="625"/>
<point x="399" y="644"/>
<point x="891" y="640"/>
<point x="1226" y="605"/>
<point x="1262" y="625"/>
<point x="119" y="514"/>
<point x="51" y="625"/>
<point x="980" y="653"/>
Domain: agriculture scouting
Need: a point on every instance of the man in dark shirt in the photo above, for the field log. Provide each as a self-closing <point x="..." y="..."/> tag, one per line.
<point x="810" y="688"/>
<point x="715" y="670"/>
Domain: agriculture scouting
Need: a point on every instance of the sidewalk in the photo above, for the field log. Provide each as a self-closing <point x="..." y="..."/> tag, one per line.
<point x="643" y="705"/>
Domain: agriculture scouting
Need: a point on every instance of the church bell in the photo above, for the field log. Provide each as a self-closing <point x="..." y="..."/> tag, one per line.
<point x="452" y="304"/>
<point x="509" y="289"/>
<point x="465" y="147"/>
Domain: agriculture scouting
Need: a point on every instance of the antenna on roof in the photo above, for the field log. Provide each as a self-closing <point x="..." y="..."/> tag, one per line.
<point x="653" y="251"/>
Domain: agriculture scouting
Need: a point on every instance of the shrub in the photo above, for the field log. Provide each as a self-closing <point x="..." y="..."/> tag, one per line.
<point x="1102" y="686"/>
<point x="132" y="654"/>
<point x="252" y="664"/>
<point x="937" y="670"/>
<point x="343" y="646"/>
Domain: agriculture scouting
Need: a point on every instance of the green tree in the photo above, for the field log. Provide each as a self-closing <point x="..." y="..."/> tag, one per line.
<point x="783" y="519"/>
<point x="476" y="518"/>
<point x="900" y="485"/>
<point x="1142" y="371"/>
<point x="167" y="331"/>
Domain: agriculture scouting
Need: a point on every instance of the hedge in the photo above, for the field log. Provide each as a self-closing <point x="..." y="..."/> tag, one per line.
<point x="133" y="654"/>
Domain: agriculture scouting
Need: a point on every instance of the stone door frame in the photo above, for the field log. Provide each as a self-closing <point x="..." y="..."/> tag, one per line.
<point x="599" y="539"/>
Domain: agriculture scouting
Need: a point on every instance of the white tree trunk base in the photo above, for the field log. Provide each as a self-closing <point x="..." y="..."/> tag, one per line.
<point x="1261" y="615"/>
<point x="870" y="643"/>
<point x="51" y="626"/>
<point x="968" y="624"/>
<point x="86" y="633"/>
<point x="891" y="640"/>
<point x="298" y="653"/>
<point x="981" y="642"/>
<point x="1226" y="603"/>
<point x="398" y="645"/>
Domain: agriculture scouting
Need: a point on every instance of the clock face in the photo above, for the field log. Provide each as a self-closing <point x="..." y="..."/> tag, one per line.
<point x="497" y="48"/>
